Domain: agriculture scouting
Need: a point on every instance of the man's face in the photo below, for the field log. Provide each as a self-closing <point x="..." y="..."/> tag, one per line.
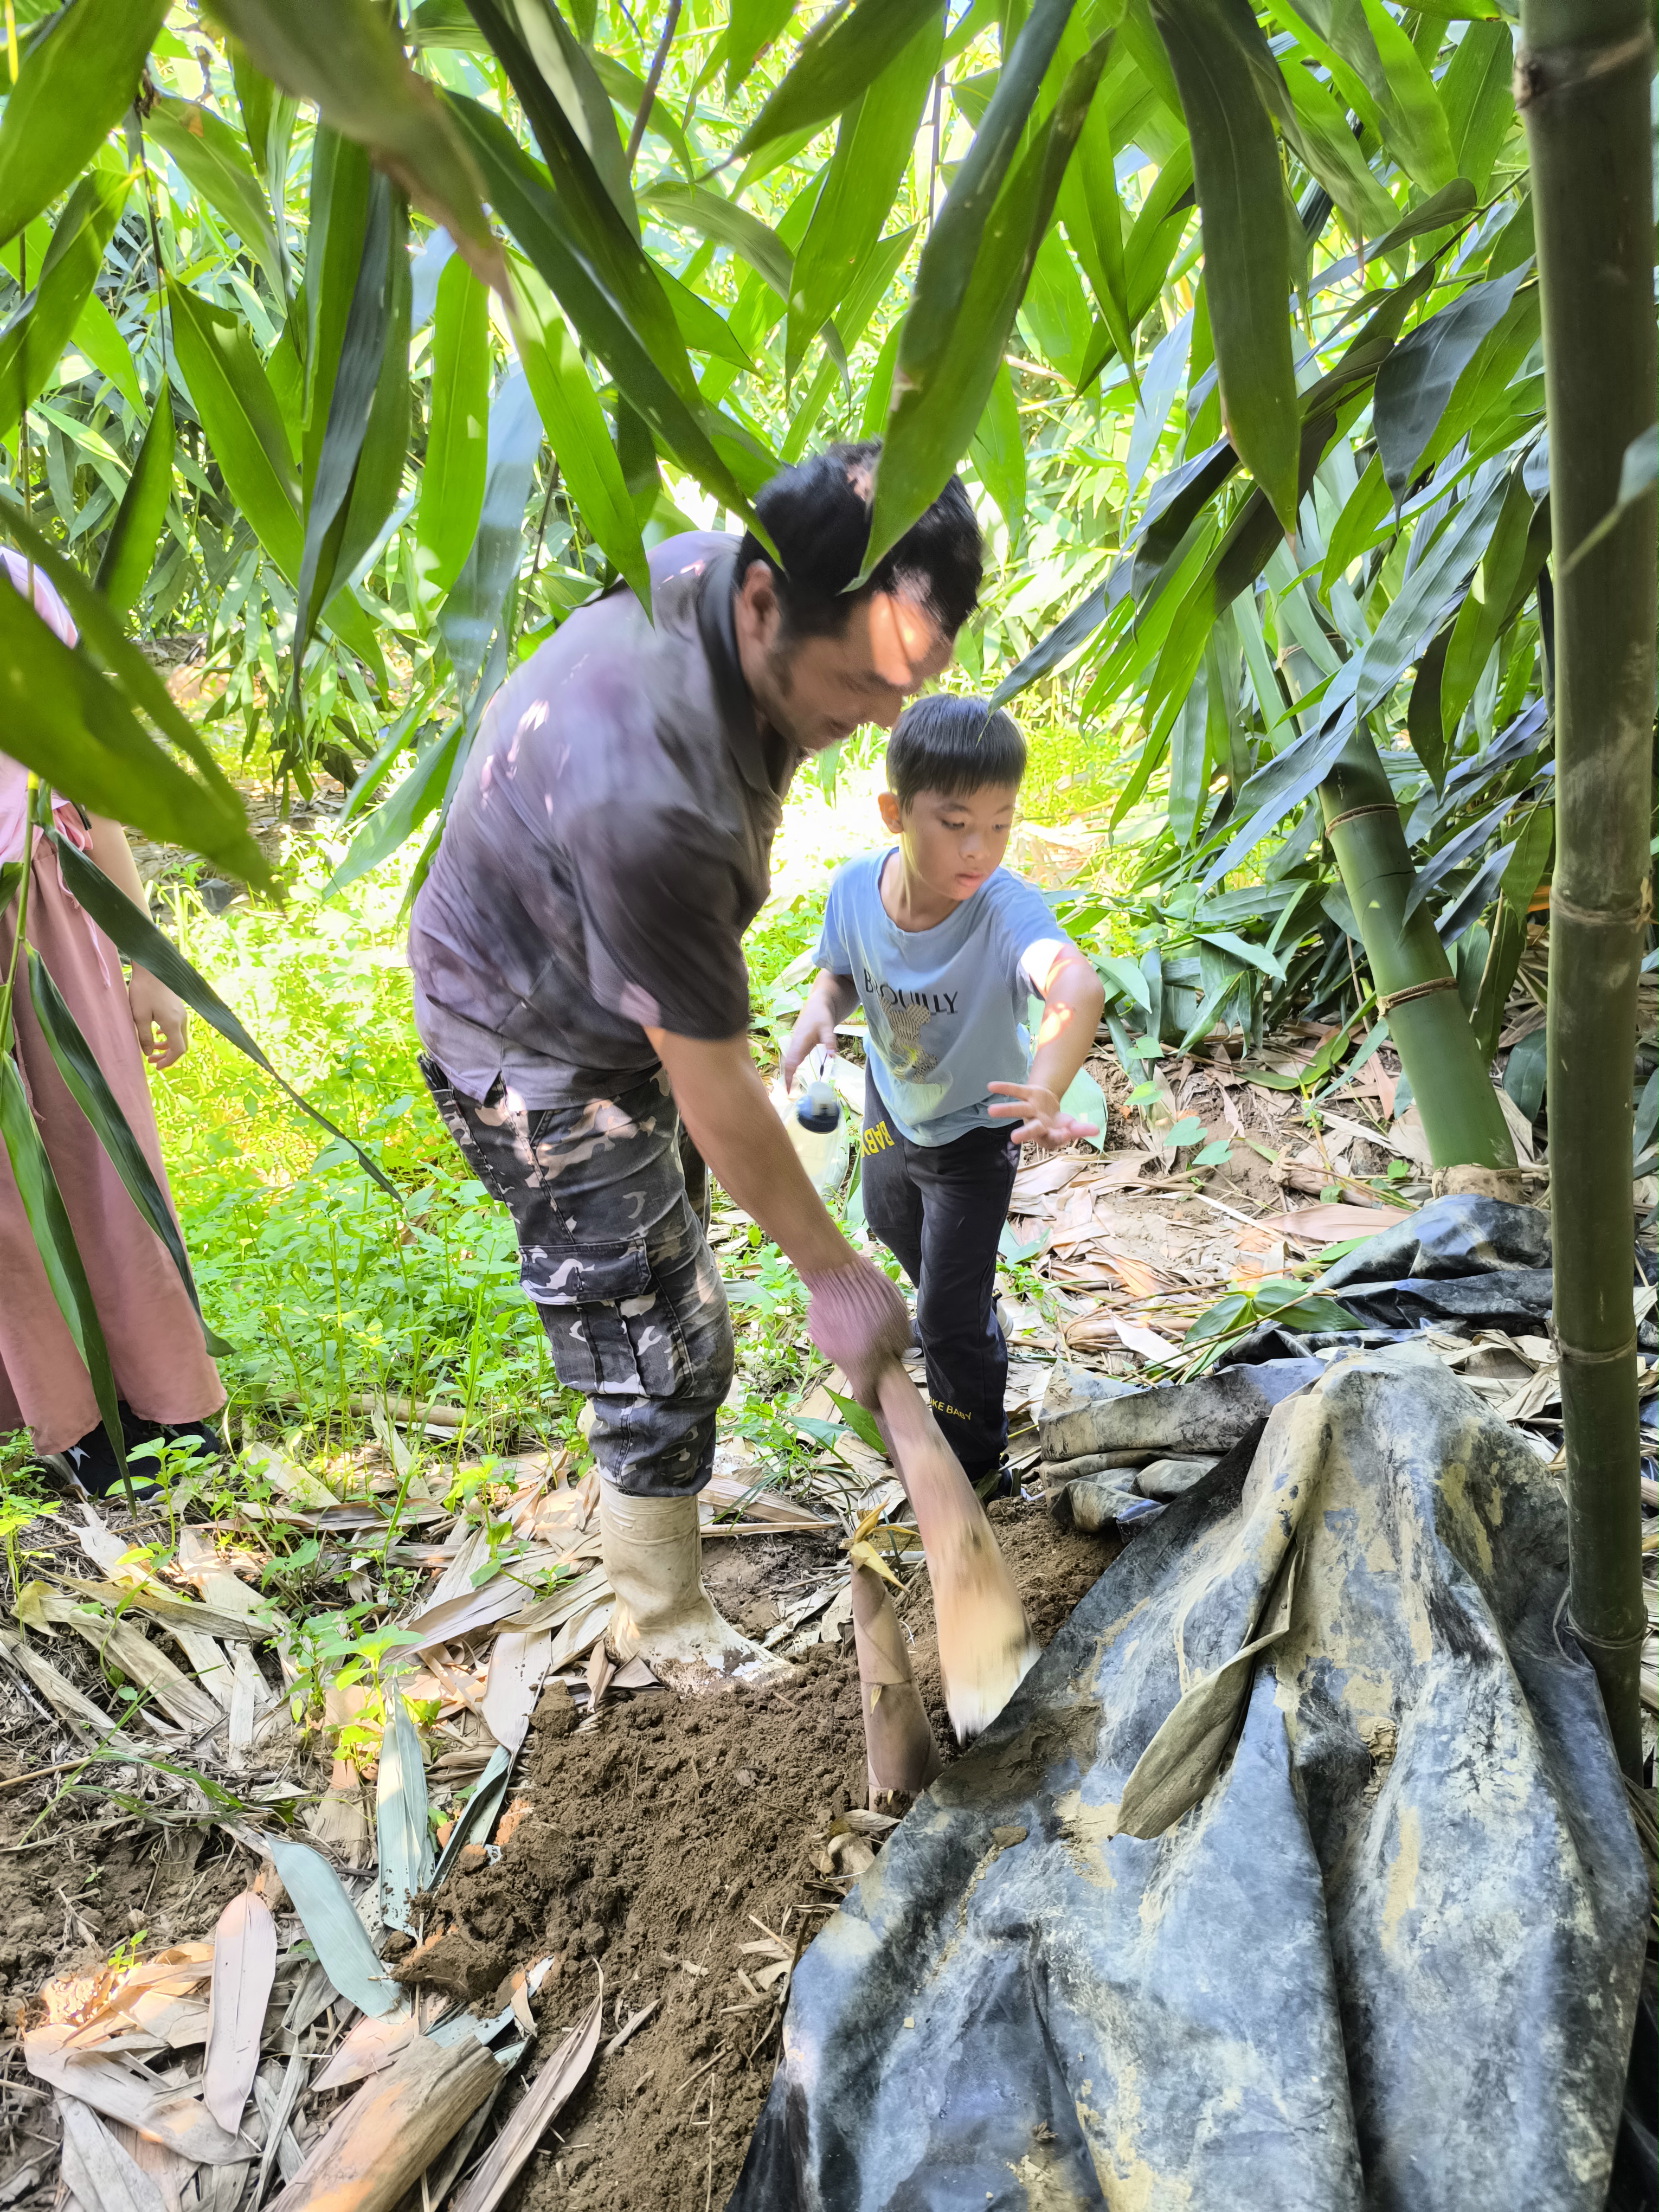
<point x="817" y="690"/>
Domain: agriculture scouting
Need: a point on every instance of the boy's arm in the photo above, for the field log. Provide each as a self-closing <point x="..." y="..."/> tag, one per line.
<point x="1073" y="1002"/>
<point x="831" y="1000"/>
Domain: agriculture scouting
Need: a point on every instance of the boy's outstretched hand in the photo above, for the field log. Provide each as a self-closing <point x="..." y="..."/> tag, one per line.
<point x="1038" y="1113"/>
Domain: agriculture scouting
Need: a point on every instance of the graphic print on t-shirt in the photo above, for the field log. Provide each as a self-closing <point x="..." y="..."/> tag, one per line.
<point x="906" y="1012"/>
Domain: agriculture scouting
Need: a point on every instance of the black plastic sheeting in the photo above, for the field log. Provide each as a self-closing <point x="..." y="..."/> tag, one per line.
<point x="1461" y="1264"/>
<point x="1385" y="1951"/>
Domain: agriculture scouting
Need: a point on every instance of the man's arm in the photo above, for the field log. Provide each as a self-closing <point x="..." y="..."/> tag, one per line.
<point x="735" y="1125"/>
<point x="159" y="1016"/>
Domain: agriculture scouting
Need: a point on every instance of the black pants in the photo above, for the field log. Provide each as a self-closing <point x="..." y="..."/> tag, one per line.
<point x="940" y="1210"/>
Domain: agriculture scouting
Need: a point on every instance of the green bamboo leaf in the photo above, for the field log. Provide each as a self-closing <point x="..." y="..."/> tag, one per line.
<point x="473" y="610"/>
<point x="54" y="1240"/>
<point x="1188" y="758"/>
<point x="356" y="381"/>
<point x="846" y="51"/>
<point x="77" y="76"/>
<point x="1330" y="150"/>
<point x="695" y="207"/>
<point x="129" y="549"/>
<point x="606" y="240"/>
<point x="1416" y="381"/>
<point x="627" y="91"/>
<point x="873" y="144"/>
<point x="973" y="276"/>
<point x="1414" y="121"/>
<point x="1477" y="93"/>
<point x="33" y="341"/>
<point x="1452" y="854"/>
<point x="136" y="936"/>
<point x="341" y="54"/>
<point x="1093" y="217"/>
<point x="397" y="819"/>
<point x="576" y="78"/>
<point x="452" y="477"/>
<point x="702" y="327"/>
<point x="85" y="1081"/>
<point x="63" y="719"/>
<point x="1246" y="263"/>
<point x="377" y="482"/>
<point x="755" y="25"/>
<point x="256" y="98"/>
<point x="1353" y="531"/>
<point x="403" y="1837"/>
<point x="1430" y="592"/>
<point x="520" y="195"/>
<point x="575" y="422"/>
<point x="1488" y="604"/>
<point x="95" y="335"/>
<point x="1452" y="205"/>
<point x="337" y="208"/>
<point x="999" y="451"/>
<point x="338" y="1936"/>
<point x="207" y="153"/>
<point x="237" y="409"/>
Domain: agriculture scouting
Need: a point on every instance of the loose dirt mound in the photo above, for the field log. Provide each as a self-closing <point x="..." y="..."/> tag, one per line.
<point x="654" y="1844"/>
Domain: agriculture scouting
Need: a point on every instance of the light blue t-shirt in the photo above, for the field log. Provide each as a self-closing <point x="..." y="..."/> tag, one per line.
<point x="945" y="1005"/>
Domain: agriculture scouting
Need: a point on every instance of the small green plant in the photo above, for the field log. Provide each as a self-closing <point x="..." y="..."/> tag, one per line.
<point x="181" y="1470"/>
<point x="1278" y="1298"/>
<point x="20" y="1502"/>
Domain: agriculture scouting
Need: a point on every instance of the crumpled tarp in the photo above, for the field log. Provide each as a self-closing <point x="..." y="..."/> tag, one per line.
<point x="1387" y="1954"/>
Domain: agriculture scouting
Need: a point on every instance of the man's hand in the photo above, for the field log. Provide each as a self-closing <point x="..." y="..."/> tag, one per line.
<point x="831" y="998"/>
<point x="858" y="1321"/>
<point x="161" y="1019"/>
<point x="1038" y="1114"/>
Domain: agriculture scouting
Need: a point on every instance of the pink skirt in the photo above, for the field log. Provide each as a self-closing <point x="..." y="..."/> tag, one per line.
<point x="155" y="1348"/>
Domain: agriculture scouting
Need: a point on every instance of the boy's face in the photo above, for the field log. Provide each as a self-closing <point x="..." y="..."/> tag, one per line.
<point x="951" y="844"/>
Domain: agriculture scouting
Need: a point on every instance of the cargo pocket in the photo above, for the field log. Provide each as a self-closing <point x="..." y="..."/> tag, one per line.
<point x="610" y="1328"/>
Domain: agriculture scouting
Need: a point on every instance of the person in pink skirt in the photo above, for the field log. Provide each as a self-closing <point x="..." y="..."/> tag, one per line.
<point x="163" y="1376"/>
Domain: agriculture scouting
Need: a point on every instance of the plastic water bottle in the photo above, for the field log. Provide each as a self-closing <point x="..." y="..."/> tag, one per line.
<point x="819" y="1110"/>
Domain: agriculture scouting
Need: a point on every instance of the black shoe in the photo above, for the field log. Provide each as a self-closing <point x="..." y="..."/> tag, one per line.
<point x="90" y="1465"/>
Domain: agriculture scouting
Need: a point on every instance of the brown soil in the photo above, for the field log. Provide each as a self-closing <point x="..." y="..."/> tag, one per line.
<point x="658" y="1839"/>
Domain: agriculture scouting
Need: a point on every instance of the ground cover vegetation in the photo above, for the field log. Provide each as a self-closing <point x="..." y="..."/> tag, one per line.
<point x="345" y="349"/>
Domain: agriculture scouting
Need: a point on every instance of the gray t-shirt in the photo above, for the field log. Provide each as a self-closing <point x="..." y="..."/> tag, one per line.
<point x="945" y="1005"/>
<point x="610" y="844"/>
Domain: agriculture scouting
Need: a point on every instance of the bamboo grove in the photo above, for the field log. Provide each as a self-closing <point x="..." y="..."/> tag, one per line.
<point x="370" y="340"/>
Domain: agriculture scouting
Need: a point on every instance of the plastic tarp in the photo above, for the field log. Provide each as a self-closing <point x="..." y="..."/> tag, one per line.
<point x="1298" y="1876"/>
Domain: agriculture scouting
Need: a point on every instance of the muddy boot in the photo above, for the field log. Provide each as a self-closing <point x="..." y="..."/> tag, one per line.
<point x="653" y="1555"/>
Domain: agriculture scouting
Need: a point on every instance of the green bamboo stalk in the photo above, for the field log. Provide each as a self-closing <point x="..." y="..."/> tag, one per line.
<point x="1582" y="82"/>
<point x="1462" y="1118"/>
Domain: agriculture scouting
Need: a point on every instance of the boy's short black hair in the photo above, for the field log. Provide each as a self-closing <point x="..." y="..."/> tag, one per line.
<point x="817" y="514"/>
<point x="957" y="746"/>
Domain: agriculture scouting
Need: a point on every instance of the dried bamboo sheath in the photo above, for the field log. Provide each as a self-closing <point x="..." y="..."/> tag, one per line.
<point x="1582" y="79"/>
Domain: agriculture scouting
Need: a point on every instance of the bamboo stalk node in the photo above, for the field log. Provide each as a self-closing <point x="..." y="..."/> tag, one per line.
<point x="1353" y="814"/>
<point x="1468" y="1181"/>
<point x="1632" y="916"/>
<point x="1542" y="70"/>
<point x="1625" y="1351"/>
<point x="1390" y="1000"/>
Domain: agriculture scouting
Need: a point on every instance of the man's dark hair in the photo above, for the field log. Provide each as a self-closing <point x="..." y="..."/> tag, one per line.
<point x="817" y="515"/>
<point x="957" y="746"/>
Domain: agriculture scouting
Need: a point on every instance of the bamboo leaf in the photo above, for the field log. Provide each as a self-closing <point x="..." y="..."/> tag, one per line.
<point x="65" y="720"/>
<point x="452" y="477"/>
<point x="1476" y="94"/>
<point x="873" y="145"/>
<point x="34" y="336"/>
<point x="1364" y="508"/>
<point x="341" y="54"/>
<point x="77" y="76"/>
<point x="577" y="80"/>
<point x="522" y="197"/>
<point x="54" y="1240"/>
<point x="1189" y="754"/>
<point x="755" y="25"/>
<point x="1246" y="263"/>
<point x="402" y="1833"/>
<point x="953" y="338"/>
<point x="86" y="1083"/>
<point x="1451" y="204"/>
<point x="477" y="1816"/>
<point x="574" y="423"/>
<point x="207" y="151"/>
<point x="377" y="480"/>
<point x="1319" y="131"/>
<point x="97" y="336"/>
<point x="1429" y="592"/>
<point x="1451" y="856"/>
<point x="1487" y="607"/>
<point x="244" y="1968"/>
<point x="1473" y="901"/>
<point x="129" y="549"/>
<point x="846" y="51"/>
<point x="695" y="207"/>
<point x="419" y="794"/>
<point x="999" y="452"/>
<point x="553" y="2086"/>
<point x="337" y="1936"/>
<point x="137" y="937"/>
<point x="474" y="607"/>
<point x="1415" y="382"/>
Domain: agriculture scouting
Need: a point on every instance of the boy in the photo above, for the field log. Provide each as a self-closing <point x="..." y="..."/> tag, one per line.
<point x="943" y="947"/>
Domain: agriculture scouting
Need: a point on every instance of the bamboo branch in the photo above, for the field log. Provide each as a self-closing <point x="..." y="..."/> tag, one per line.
<point x="1582" y="78"/>
<point x="659" y="61"/>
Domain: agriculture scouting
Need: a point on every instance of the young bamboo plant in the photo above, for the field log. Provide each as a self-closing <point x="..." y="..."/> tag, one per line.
<point x="1582" y="82"/>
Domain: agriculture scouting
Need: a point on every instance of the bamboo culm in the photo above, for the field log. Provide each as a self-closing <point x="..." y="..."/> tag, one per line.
<point x="1583" y="82"/>
<point x="1462" y="1118"/>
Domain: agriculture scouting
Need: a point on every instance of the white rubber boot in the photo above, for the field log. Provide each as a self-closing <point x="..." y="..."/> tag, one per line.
<point x="652" y="1556"/>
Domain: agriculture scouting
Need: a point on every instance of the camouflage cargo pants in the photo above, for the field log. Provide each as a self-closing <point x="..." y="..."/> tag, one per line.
<point x="609" y="1199"/>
